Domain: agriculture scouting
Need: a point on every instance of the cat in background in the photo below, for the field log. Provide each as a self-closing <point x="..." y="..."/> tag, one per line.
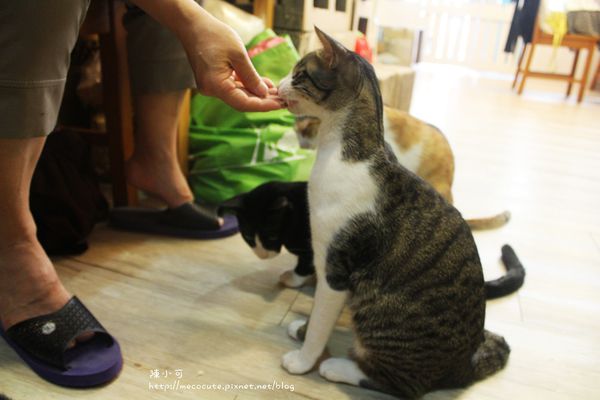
<point x="275" y="215"/>
<point x="386" y="244"/>
<point x="420" y="147"/>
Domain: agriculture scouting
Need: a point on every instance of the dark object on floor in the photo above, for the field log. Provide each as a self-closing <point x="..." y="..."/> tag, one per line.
<point x="188" y="221"/>
<point x="66" y="201"/>
<point x="42" y="343"/>
<point x="4" y="397"/>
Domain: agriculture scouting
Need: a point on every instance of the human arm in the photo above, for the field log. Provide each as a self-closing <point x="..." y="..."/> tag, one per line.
<point x="218" y="58"/>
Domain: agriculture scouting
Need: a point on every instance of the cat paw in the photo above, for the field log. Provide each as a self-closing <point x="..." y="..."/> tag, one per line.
<point x="297" y="329"/>
<point x="292" y="280"/>
<point x="341" y="370"/>
<point x="296" y="363"/>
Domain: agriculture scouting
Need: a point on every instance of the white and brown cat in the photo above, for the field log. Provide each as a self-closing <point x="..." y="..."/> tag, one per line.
<point x="420" y="147"/>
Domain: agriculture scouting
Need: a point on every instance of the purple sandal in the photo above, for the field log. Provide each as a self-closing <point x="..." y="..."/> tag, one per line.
<point x="42" y="343"/>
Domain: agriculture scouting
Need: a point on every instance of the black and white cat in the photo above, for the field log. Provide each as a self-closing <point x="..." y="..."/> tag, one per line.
<point x="275" y="215"/>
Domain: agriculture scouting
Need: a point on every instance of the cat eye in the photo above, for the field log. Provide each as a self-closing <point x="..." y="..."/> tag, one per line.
<point x="297" y="75"/>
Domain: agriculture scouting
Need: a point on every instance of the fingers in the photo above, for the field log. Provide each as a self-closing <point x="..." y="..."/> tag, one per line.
<point x="269" y="83"/>
<point x="243" y="101"/>
<point x="248" y="75"/>
<point x="235" y="94"/>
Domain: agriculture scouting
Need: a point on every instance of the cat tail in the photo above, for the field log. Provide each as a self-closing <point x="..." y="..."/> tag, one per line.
<point x="511" y="281"/>
<point x="478" y="224"/>
<point x="491" y="356"/>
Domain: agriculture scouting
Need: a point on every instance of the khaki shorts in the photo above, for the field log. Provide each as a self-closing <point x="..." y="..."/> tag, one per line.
<point x="157" y="61"/>
<point x="36" y="40"/>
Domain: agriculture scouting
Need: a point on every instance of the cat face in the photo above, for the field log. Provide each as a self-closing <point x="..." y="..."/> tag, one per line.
<point x="261" y="223"/>
<point x="323" y="82"/>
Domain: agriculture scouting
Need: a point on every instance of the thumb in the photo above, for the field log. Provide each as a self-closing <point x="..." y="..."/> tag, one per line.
<point x="248" y="76"/>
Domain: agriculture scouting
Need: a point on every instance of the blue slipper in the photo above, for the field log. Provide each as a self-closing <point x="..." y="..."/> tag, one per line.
<point x="42" y="343"/>
<point x="189" y="220"/>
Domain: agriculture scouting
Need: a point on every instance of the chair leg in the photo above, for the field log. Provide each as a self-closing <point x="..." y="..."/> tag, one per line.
<point x="586" y="71"/>
<point x="117" y="105"/>
<point x="573" y="70"/>
<point x="596" y="77"/>
<point x="527" y="66"/>
<point x="519" y="66"/>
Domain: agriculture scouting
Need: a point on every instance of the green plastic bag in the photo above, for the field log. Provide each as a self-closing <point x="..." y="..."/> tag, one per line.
<point x="232" y="152"/>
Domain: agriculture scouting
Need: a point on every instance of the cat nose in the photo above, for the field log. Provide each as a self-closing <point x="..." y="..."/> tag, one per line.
<point x="284" y="85"/>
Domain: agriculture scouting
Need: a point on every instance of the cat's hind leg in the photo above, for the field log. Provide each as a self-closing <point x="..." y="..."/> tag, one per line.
<point x="342" y="370"/>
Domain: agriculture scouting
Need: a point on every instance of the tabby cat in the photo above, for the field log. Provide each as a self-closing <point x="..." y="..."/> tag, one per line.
<point x="387" y="244"/>
<point x="420" y="147"/>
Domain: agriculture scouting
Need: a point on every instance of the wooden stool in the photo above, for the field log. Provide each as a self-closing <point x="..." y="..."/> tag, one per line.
<point x="575" y="42"/>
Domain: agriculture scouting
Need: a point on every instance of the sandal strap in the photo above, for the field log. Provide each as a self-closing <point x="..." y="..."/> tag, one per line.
<point x="47" y="336"/>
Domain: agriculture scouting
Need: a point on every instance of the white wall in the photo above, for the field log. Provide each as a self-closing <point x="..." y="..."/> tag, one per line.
<point x="469" y="33"/>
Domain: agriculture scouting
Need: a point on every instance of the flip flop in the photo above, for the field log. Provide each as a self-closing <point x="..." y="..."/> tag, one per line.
<point x="189" y="220"/>
<point x="42" y="343"/>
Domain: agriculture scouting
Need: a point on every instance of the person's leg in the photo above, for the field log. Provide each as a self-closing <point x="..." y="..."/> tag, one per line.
<point x="28" y="283"/>
<point x="160" y="73"/>
<point x="33" y="68"/>
<point x="154" y="165"/>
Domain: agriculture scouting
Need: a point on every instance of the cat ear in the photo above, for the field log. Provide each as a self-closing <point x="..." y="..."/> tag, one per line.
<point x="280" y="203"/>
<point x="333" y="51"/>
<point x="234" y="204"/>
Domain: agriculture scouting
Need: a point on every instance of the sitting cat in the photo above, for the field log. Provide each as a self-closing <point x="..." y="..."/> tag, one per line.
<point x="387" y="244"/>
<point x="420" y="147"/>
<point x="275" y="214"/>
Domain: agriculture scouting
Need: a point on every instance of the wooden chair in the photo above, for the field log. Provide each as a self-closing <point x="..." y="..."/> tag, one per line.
<point x="596" y="77"/>
<point x="104" y="19"/>
<point x="574" y="42"/>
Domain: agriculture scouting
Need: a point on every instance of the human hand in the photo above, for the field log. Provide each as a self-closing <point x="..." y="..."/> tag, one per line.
<point x="223" y="69"/>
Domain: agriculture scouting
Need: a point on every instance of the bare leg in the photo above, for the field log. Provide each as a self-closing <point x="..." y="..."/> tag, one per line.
<point x="326" y="310"/>
<point x="29" y="286"/>
<point x="153" y="166"/>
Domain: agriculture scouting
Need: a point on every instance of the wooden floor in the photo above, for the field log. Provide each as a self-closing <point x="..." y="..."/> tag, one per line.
<point x="215" y="312"/>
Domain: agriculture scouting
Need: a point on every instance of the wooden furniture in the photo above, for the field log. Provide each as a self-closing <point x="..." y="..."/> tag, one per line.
<point x="104" y="19"/>
<point x="265" y="9"/>
<point x="574" y="42"/>
<point x="596" y="77"/>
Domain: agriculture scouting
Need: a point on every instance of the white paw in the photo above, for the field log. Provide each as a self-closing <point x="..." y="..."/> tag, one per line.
<point x="294" y="326"/>
<point x="293" y="280"/>
<point x="295" y="362"/>
<point x="341" y="370"/>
